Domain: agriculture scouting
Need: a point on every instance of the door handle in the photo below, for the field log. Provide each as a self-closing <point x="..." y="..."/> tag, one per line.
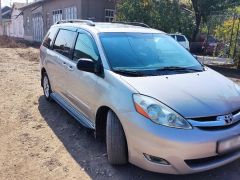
<point x="64" y="63"/>
<point x="70" y="68"/>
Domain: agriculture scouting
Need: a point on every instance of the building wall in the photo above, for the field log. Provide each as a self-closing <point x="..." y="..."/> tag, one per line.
<point x="28" y="24"/>
<point x="16" y="27"/>
<point x="96" y="9"/>
<point x="1" y="29"/>
<point x="53" y="10"/>
<point x="55" y="5"/>
<point x="6" y="23"/>
<point x="1" y="26"/>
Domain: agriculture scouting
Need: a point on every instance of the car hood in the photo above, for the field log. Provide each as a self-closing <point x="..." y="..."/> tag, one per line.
<point x="192" y="95"/>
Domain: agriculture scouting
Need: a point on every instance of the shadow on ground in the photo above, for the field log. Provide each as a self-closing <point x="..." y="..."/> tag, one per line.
<point x="91" y="154"/>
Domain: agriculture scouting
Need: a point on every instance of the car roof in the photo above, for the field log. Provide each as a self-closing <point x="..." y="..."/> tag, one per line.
<point x="176" y="34"/>
<point x="109" y="27"/>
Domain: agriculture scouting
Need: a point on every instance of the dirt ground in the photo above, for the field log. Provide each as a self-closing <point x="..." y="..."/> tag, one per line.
<point x="39" y="140"/>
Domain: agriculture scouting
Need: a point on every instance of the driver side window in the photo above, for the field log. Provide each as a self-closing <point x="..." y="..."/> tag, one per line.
<point x="85" y="48"/>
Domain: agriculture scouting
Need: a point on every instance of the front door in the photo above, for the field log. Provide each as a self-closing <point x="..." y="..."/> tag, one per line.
<point x="81" y="85"/>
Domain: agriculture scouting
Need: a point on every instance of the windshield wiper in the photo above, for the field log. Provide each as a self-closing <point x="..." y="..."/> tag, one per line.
<point x="176" y="68"/>
<point x="129" y="73"/>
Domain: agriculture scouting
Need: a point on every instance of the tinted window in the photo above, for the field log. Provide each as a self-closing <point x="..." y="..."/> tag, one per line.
<point x="173" y="36"/>
<point x="145" y="51"/>
<point x="64" y="42"/>
<point x="180" y="38"/>
<point x="85" y="48"/>
<point x="48" y="40"/>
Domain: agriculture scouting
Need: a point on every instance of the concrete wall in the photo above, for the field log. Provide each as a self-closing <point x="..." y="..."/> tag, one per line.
<point x="86" y="9"/>
<point x="96" y="9"/>
<point x="1" y="27"/>
<point x="6" y="25"/>
<point x="28" y="24"/>
<point x="16" y="28"/>
<point x="52" y="5"/>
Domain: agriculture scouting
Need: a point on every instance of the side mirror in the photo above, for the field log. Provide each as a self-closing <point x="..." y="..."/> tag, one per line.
<point x="88" y="65"/>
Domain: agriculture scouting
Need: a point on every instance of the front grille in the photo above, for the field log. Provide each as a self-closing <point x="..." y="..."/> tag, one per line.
<point x="236" y="112"/>
<point x="212" y="118"/>
<point x="217" y="122"/>
<point x="199" y="163"/>
<point x="217" y="128"/>
<point x="205" y="119"/>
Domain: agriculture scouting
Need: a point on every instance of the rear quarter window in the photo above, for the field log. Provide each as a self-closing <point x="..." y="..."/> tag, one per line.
<point x="49" y="38"/>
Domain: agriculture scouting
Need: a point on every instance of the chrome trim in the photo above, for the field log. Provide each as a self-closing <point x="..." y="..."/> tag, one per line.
<point x="220" y="121"/>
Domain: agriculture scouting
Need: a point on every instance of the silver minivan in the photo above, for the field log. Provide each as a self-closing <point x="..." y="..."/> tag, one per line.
<point x="155" y="105"/>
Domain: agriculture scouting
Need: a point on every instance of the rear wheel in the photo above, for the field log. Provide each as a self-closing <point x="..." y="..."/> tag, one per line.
<point x="47" y="87"/>
<point x="116" y="141"/>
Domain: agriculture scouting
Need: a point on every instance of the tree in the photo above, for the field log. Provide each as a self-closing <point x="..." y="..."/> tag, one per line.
<point x="160" y="14"/>
<point x="204" y="8"/>
<point x="134" y="10"/>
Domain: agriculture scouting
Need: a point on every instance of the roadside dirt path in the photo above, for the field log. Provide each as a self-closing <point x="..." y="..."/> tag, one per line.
<point x="39" y="140"/>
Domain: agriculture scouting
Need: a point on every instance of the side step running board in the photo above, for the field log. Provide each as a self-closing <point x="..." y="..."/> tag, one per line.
<point x="72" y="111"/>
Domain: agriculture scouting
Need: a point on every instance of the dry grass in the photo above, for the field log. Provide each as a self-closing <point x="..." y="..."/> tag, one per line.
<point x="23" y="50"/>
<point x="6" y="42"/>
<point x="30" y="54"/>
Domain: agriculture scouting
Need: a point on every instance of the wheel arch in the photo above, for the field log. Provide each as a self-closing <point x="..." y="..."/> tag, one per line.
<point x="101" y="122"/>
<point x="43" y="71"/>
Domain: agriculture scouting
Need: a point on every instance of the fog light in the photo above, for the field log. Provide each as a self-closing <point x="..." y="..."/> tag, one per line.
<point x="156" y="160"/>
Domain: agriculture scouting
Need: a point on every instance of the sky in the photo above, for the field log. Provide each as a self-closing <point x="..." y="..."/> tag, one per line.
<point x="8" y="2"/>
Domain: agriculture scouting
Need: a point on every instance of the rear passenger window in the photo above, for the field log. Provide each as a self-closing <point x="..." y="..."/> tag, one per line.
<point x="180" y="39"/>
<point x="48" y="40"/>
<point x="64" y="42"/>
<point x="85" y="48"/>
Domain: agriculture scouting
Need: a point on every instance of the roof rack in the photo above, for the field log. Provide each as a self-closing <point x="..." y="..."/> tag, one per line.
<point x="133" y="23"/>
<point x="88" y="22"/>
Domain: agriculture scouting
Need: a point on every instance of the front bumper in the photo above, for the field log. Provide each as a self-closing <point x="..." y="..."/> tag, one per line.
<point x="187" y="151"/>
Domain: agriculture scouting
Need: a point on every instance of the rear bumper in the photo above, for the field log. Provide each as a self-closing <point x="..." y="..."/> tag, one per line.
<point x="187" y="151"/>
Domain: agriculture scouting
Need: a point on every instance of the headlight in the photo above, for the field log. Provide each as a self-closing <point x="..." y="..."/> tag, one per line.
<point x="158" y="112"/>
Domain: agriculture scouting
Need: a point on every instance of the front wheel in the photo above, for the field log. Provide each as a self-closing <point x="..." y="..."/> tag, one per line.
<point x="116" y="141"/>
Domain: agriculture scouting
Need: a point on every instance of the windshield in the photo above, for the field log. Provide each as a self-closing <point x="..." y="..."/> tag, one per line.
<point x="145" y="51"/>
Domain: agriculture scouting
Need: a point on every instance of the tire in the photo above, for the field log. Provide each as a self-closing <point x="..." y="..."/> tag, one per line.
<point x="116" y="141"/>
<point x="46" y="87"/>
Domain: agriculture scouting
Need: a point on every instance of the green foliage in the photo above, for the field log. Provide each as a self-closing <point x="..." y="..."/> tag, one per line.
<point x="224" y="31"/>
<point x="171" y="16"/>
<point x="205" y="8"/>
<point x="228" y="31"/>
<point x="162" y="14"/>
